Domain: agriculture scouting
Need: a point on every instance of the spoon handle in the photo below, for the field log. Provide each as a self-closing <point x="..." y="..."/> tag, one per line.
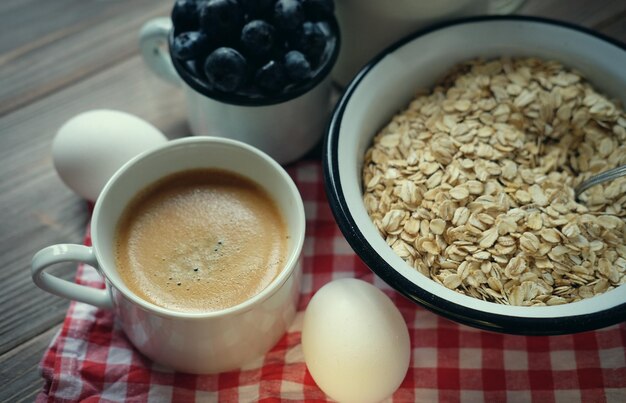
<point x="600" y="178"/>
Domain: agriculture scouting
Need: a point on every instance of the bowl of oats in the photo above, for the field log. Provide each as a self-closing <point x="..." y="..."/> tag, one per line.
<point x="450" y="165"/>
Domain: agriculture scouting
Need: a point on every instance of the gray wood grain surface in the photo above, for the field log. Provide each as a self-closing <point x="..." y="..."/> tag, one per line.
<point x="62" y="57"/>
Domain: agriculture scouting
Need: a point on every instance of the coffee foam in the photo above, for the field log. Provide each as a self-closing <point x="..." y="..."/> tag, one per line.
<point x="200" y="241"/>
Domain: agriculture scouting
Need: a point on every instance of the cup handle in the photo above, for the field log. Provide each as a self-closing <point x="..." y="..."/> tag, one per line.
<point x="153" y="46"/>
<point x="63" y="288"/>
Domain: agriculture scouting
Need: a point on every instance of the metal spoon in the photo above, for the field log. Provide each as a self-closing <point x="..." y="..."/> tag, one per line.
<point x="600" y="178"/>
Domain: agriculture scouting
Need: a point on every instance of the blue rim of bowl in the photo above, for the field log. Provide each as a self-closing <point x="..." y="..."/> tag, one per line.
<point x="358" y="242"/>
<point x="234" y="99"/>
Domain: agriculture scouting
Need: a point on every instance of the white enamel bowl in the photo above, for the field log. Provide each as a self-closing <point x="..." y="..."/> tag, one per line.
<point x="388" y="83"/>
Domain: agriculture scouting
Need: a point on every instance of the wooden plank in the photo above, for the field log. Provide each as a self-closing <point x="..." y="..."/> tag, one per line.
<point x="40" y="210"/>
<point x="584" y="12"/>
<point x="28" y="22"/>
<point x="86" y="42"/>
<point x="615" y="27"/>
<point x="19" y="374"/>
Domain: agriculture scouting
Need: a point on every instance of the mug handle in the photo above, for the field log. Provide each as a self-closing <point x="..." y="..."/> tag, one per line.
<point x="63" y="288"/>
<point x="153" y="45"/>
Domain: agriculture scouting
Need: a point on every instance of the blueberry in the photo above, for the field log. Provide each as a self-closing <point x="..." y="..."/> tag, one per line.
<point x="297" y="66"/>
<point x="311" y="41"/>
<point x="226" y="69"/>
<point x="185" y="15"/>
<point x="257" y="8"/>
<point x="221" y="19"/>
<point x="318" y="9"/>
<point x="257" y="38"/>
<point x="190" y="45"/>
<point x="271" y="77"/>
<point x="288" y="14"/>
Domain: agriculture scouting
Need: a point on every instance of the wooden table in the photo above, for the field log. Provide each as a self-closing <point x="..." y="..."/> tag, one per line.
<point x="57" y="59"/>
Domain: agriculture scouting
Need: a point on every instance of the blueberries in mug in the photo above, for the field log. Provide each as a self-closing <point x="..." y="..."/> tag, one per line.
<point x="318" y="9"/>
<point x="311" y="41"/>
<point x="190" y="45"/>
<point x="271" y="77"/>
<point x="221" y="18"/>
<point x="288" y="14"/>
<point x="257" y="8"/>
<point x="297" y="67"/>
<point x="226" y="69"/>
<point x="185" y="15"/>
<point x="253" y="49"/>
<point x="257" y="38"/>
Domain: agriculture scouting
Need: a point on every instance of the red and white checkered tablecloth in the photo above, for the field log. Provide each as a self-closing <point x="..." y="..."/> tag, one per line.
<point x="90" y="359"/>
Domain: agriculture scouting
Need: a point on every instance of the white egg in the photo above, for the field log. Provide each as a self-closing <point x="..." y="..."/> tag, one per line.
<point x="91" y="146"/>
<point x="355" y="342"/>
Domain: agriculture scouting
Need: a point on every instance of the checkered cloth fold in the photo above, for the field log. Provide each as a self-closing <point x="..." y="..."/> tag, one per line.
<point x="90" y="359"/>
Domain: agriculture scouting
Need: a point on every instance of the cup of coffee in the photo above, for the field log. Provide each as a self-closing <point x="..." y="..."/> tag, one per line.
<point x="250" y="72"/>
<point x="199" y="244"/>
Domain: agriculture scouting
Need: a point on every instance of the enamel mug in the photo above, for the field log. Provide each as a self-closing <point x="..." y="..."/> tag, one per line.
<point x="285" y="126"/>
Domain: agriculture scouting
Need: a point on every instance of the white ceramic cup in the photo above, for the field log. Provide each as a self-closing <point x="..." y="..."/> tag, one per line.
<point x="285" y="127"/>
<point x="190" y="342"/>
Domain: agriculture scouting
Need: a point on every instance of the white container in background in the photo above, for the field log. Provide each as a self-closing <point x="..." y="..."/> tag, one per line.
<point x="368" y="26"/>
